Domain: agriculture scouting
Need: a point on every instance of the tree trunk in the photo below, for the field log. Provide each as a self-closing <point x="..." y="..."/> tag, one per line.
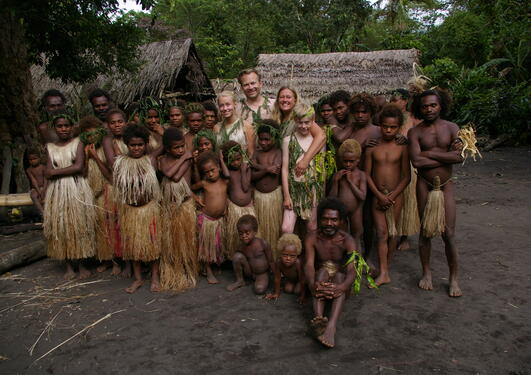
<point x="18" y="115"/>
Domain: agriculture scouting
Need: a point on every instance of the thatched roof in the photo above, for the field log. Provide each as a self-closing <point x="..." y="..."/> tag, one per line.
<point x="170" y="66"/>
<point x="314" y="75"/>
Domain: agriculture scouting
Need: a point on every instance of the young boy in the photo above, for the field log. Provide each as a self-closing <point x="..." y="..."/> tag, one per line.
<point x="38" y="181"/>
<point x="254" y="258"/>
<point x="211" y="115"/>
<point x="289" y="266"/>
<point x="213" y="204"/>
<point x="179" y="265"/>
<point x="266" y="167"/>
<point x="301" y="194"/>
<point x="240" y="193"/>
<point x="349" y="185"/>
<point x="194" y="114"/>
<point x="69" y="215"/>
<point x="388" y="173"/>
<point x="137" y="190"/>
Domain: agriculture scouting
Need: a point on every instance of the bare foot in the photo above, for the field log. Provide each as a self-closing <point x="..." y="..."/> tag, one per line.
<point x="425" y="282"/>
<point x="69" y="275"/>
<point x="404" y="245"/>
<point x="454" y="290"/>
<point x="211" y="279"/>
<point x="102" y="267"/>
<point x="318" y="325"/>
<point x="372" y="270"/>
<point x="155" y="286"/>
<point x="236" y="285"/>
<point x="328" y="337"/>
<point x="126" y="273"/>
<point x="382" y="279"/>
<point x="84" y="273"/>
<point x="116" y="270"/>
<point x="134" y="286"/>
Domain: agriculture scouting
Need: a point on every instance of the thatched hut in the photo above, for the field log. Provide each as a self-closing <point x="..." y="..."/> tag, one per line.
<point x="170" y="68"/>
<point x="314" y="75"/>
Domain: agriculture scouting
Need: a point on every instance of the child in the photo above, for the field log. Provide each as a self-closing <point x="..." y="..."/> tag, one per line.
<point x="211" y="115"/>
<point x="99" y="176"/>
<point x="152" y="119"/>
<point x="213" y="207"/>
<point x="137" y="190"/>
<point x="176" y="116"/>
<point x="254" y="258"/>
<point x="68" y="207"/>
<point x="194" y="114"/>
<point x="267" y="164"/>
<point x="38" y="181"/>
<point x="205" y="140"/>
<point x="301" y="194"/>
<point x="388" y="173"/>
<point x="232" y="127"/>
<point x="179" y="265"/>
<point x="289" y="265"/>
<point x="113" y="144"/>
<point x="240" y="193"/>
<point x="349" y="185"/>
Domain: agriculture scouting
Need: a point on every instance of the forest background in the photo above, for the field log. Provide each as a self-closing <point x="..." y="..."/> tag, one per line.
<point x="479" y="50"/>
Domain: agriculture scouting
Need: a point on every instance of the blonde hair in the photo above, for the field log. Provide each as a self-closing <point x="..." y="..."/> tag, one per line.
<point x="350" y="145"/>
<point x="276" y="114"/>
<point x="289" y="239"/>
<point x="228" y="94"/>
<point x="302" y="111"/>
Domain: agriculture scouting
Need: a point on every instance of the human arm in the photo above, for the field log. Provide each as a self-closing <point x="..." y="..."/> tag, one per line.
<point x="383" y="200"/>
<point x="309" y="264"/>
<point x="278" y="276"/>
<point x="332" y="290"/>
<point x="406" y="176"/>
<point x="104" y="169"/>
<point x="245" y="176"/>
<point x="109" y="150"/>
<point x="340" y="134"/>
<point x="249" y="137"/>
<point x="417" y="159"/>
<point x="224" y="169"/>
<point x="32" y="180"/>
<point x="285" y="173"/>
<point x="74" y="169"/>
<point x="360" y="192"/>
<point x="318" y="142"/>
<point x="334" y="189"/>
<point x="171" y="170"/>
<point x="302" y="282"/>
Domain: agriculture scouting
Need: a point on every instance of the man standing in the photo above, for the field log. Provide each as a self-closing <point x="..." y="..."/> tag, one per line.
<point x="52" y="103"/>
<point x="327" y="250"/>
<point x="254" y="106"/>
<point x="101" y="103"/>
<point x="433" y="147"/>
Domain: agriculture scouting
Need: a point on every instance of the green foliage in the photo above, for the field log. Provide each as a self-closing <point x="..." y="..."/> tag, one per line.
<point x="79" y="38"/>
<point x="442" y="72"/>
<point x="361" y="267"/>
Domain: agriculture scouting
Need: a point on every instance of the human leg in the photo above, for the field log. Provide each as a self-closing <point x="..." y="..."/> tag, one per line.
<point x="137" y="283"/>
<point x="382" y="237"/>
<point x="261" y="283"/>
<point x="288" y="221"/>
<point x="240" y="266"/>
<point x="155" y="280"/>
<point x="318" y="323"/>
<point x="328" y="336"/>
<point x="449" y="239"/>
<point x="424" y="242"/>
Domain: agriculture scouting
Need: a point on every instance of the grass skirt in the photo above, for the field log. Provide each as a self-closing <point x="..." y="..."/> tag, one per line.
<point x="210" y="241"/>
<point x="230" y="235"/>
<point x="409" y="222"/>
<point x="140" y="227"/>
<point x="69" y="218"/>
<point x="433" y="218"/>
<point x="269" y="211"/>
<point x="108" y="239"/>
<point x="179" y="265"/>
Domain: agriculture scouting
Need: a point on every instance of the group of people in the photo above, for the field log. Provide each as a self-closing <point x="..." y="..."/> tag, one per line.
<point x="181" y="187"/>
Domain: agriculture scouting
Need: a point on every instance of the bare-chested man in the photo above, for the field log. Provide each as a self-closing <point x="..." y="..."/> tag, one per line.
<point x="52" y="103"/>
<point x="433" y="147"/>
<point x="254" y="106"/>
<point x="327" y="250"/>
<point x="101" y="102"/>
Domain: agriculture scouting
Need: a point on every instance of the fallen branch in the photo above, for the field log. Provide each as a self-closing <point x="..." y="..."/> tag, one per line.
<point x="79" y="333"/>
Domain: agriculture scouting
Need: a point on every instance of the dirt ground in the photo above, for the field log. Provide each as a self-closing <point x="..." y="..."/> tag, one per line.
<point x="396" y="329"/>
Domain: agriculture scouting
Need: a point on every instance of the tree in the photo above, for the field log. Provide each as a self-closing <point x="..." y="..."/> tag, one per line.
<point x="74" y="39"/>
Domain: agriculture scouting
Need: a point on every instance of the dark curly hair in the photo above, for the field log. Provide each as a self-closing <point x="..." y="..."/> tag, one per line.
<point x="248" y="220"/>
<point x="391" y="110"/>
<point x="334" y="204"/>
<point x="445" y="101"/>
<point x="171" y="135"/>
<point x="135" y="131"/>
<point x="204" y="158"/>
<point x="365" y="100"/>
<point x="339" y="96"/>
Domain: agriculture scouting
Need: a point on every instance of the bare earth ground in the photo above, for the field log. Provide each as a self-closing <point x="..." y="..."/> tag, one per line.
<point x="396" y="329"/>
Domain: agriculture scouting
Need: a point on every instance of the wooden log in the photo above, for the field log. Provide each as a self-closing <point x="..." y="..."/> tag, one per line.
<point x="497" y="142"/>
<point x="22" y="199"/>
<point x="13" y="229"/>
<point x="22" y="255"/>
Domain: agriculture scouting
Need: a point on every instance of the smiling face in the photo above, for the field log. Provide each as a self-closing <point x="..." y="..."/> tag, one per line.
<point x="63" y="128"/>
<point x="116" y="124"/>
<point x="350" y="161"/>
<point x="176" y="149"/>
<point x="251" y="85"/>
<point x="390" y="127"/>
<point x="204" y="144"/>
<point x="210" y="171"/>
<point x="329" y="222"/>
<point x="100" y="106"/>
<point x="286" y="100"/>
<point x="226" y="106"/>
<point x="136" y="147"/>
<point x="288" y="256"/>
<point x="176" y="117"/>
<point x="152" y="118"/>
<point x="246" y="233"/>
<point x="303" y="125"/>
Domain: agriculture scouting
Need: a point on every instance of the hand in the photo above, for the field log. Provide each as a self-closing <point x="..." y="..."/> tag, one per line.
<point x="371" y="142"/>
<point x="272" y="296"/>
<point x="273" y="169"/>
<point x="199" y="202"/>
<point x="49" y="173"/>
<point x="157" y="128"/>
<point x="288" y="204"/>
<point x="188" y="155"/>
<point x="90" y="149"/>
<point x="400" y="139"/>
<point x="340" y="174"/>
<point x="300" y="167"/>
<point x="331" y="290"/>
<point x="457" y="145"/>
<point x="385" y="201"/>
